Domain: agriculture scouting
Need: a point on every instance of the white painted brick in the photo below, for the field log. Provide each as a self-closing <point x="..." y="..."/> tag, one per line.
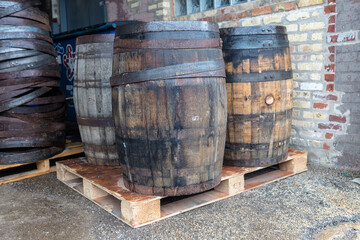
<point x="311" y="86"/>
<point x="315" y="76"/>
<point x="317" y="47"/>
<point x="272" y="19"/>
<point x="317" y="36"/>
<point x="311" y="134"/>
<point x="315" y="115"/>
<point x="295" y="16"/>
<point x="301" y="94"/>
<point x="312" y="26"/>
<point x="291" y="27"/>
<point x="251" y="22"/>
<point x="297" y="37"/>
<point x="316" y="57"/>
<point x="301" y="104"/>
<point x="305" y="124"/>
<point x="311" y="66"/>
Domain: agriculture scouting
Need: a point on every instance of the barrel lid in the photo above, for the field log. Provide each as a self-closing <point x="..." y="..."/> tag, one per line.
<point x="259" y="30"/>
<point x="162" y="26"/>
<point x="95" y="38"/>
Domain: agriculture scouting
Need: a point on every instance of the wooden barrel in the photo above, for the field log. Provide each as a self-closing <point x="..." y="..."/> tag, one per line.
<point x="92" y="98"/>
<point x="169" y="105"/>
<point x="260" y="89"/>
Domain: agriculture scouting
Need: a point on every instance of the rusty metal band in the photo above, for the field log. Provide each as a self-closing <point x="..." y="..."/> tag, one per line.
<point x="37" y="109"/>
<point x="19" y="82"/>
<point x="32" y="155"/>
<point x="27" y="29"/>
<point x="121" y="44"/>
<point x="255" y="146"/>
<point x="96" y="38"/>
<point x="25" y="61"/>
<point x="18" y="54"/>
<point x="30" y="44"/>
<point x="171" y="191"/>
<point x="168" y="135"/>
<point x="47" y="62"/>
<point x="239" y="44"/>
<point x="95" y="122"/>
<point x="33" y="14"/>
<point x="40" y="140"/>
<point x="45" y="115"/>
<point x="259" y="77"/>
<point x="253" y="30"/>
<point x="29" y="74"/>
<point x="23" y="99"/>
<point x="14" y="21"/>
<point x="263" y="117"/>
<point x="17" y="7"/>
<point x="47" y="100"/>
<point x="185" y="70"/>
<point x="31" y="131"/>
<point x="99" y="148"/>
<point x="163" y="26"/>
<point x="12" y="94"/>
<point x="25" y="35"/>
<point x="256" y="162"/>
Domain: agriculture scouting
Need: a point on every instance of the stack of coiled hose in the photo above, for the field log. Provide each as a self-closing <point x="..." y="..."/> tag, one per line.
<point x="32" y="108"/>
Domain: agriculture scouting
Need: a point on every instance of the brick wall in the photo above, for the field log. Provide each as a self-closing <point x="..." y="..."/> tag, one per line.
<point x="326" y="116"/>
<point x="140" y="10"/>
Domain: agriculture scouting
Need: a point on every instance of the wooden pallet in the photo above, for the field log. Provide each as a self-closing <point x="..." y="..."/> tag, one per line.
<point x="42" y="166"/>
<point x="104" y="186"/>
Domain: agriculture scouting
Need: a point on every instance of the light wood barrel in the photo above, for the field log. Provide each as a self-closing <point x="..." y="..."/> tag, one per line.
<point x="260" y="89"/>
<point x="92" y="98"/>
<point x="169" y="105"/>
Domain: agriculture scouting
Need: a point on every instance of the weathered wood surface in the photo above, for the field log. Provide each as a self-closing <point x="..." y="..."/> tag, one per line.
<point x="169" y="104"/>
<point x="104" y="186"/>
<point x="92" y="98"/>
<point x="260" y="90"/>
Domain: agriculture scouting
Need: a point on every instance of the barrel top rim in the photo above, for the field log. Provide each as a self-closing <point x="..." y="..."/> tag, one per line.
<point x="163" y="26"/>
<point x="253" y="30"/>
<point x="95" y="38"/>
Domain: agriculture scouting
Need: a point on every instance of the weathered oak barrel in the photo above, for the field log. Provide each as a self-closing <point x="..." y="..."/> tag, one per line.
<point x="169" y="106"/>
<point x="259" y="88"/>
<point x="92" y="98"/>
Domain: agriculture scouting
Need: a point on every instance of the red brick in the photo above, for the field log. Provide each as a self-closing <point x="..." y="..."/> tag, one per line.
<point x="330" y="87"/>
<point x="330" y="67"/>
<point x="329" y="77"/>
<point x="331" y="28"/>
<point x="292" y="48"/>
<point x="332" y="58"/>
<point x="240" y="15"/>
<point x="332" y="49"/>
<point x="340" y="119"/>
<point x="209" y="19"/>
<point x="331" y="97"/>
<point x="222" y="17"/>
<point x="261" y="11"/>
<point x="331" y="1"/>
<point x="329" y="126"/>
<point x="329" y="135"/>
<point x="326" y="146"/>
<point x="325" y="97"/>
<point x="320" y="105"/>
<point x="332" y="19"/>
<point x="330" y="9"/>
<point x="284" y="6"/>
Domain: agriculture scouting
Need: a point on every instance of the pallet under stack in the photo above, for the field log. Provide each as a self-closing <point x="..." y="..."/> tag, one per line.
<point x="104" y="186"/>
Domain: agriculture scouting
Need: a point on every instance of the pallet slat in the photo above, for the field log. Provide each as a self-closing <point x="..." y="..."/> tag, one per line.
<point x="42" y="166"/>
<point x="104" y="186"/>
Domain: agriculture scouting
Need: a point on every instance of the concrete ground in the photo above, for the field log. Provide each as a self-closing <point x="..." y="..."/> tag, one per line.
<point x="318" y="204"/>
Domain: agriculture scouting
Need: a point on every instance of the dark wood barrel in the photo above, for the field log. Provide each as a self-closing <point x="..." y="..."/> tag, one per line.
<point x="169" y="105"/>
<point x="92" y="98"/>
<point x="260" y="89"/>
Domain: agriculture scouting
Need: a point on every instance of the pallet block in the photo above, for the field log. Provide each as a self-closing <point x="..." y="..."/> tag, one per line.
<point x="105" y="187"/>
<point x="42" y="166"/>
